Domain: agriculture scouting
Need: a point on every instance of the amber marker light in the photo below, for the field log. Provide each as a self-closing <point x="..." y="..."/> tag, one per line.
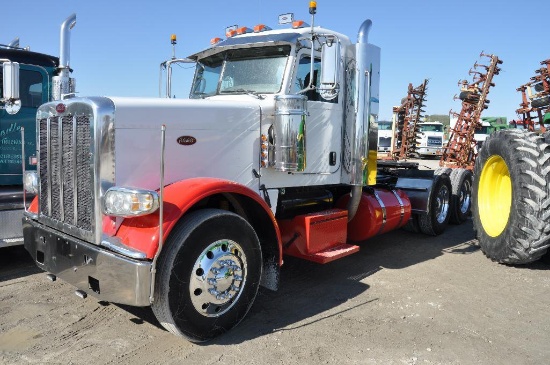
<point x="298" y="24"/>
<point x="173" y="39"/>
<point x="313" y="7"/>
<point x="261" y="28"/>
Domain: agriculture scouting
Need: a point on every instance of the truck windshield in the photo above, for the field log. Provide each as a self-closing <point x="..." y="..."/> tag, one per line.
<point x="431" y="128"/>
<point x="384" y="126"/>
<point x="257" y="70"/>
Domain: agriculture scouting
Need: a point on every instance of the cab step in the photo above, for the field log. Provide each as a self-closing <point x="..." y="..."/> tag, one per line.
<point x="328" y="255"/>
<point x="320" y="236"/>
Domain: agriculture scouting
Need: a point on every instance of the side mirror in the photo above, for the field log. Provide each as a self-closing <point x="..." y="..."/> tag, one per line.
<point x="10" y="93"/>
<point x="330" y="70"/>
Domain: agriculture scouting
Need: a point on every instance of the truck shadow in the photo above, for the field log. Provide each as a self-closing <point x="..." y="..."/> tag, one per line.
<point x="16" y="262"/>
<point x="310" y="293"/>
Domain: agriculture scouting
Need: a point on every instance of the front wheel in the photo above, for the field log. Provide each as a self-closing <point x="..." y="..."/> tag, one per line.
<point x="208" y="275"/>
<point x="511" y="197"/>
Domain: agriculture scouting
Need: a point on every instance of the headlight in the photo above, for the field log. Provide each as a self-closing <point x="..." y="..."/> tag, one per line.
<point x="30" y="182"/>
<point x="127" y="202"/>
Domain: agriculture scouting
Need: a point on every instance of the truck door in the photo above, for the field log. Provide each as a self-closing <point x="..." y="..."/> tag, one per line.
<point x="34" y="91"/>
<point x="324" y="122"/>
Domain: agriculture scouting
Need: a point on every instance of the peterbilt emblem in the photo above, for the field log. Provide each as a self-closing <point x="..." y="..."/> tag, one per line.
<point x="187" y="140"/>
<point x="60" y="108"/>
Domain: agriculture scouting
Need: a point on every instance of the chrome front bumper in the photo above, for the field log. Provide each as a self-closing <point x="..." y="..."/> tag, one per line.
<point x="101" y="273"/>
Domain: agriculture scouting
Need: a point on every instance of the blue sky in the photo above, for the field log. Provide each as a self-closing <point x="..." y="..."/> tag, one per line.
<point x="117" y="46"/>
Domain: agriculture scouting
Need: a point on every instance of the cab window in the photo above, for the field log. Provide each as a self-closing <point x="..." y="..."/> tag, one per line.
<point x="303" y="78"/>
<point x="30" y="88"/>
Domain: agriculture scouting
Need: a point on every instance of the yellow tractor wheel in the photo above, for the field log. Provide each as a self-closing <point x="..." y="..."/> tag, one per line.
<point x="511" y="196"/>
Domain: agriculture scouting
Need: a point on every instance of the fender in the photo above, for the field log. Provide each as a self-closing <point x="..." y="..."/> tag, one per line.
<point x="142" y="232"/>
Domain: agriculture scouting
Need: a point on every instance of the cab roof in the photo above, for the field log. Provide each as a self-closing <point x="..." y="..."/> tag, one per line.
<point x="269" y="37"/>
<point x="28" y="57"/>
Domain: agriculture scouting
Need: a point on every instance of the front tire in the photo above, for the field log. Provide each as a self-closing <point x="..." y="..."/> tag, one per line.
<point x="511" y="197"/>
<point x="208" y="275"/>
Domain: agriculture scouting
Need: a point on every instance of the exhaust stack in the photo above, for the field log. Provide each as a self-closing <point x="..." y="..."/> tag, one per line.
<point x="359" y="146"/>
<point x="63" y="84"/>
<point x="14" y="43"/>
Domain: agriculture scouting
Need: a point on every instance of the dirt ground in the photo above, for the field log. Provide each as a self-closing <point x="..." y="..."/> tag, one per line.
<point x="403" y="299"/>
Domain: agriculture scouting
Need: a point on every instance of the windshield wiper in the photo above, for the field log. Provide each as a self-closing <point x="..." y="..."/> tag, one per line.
<point x="243" y="91"/>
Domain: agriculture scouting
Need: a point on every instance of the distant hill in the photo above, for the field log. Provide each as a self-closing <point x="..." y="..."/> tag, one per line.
<point x="442" y="118"/>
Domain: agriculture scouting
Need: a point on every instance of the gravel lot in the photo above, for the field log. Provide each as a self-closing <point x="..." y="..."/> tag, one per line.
<point x="403" y="299"/>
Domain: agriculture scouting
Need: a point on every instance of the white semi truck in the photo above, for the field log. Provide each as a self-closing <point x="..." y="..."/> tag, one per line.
<point x="189" y="205"/>
<point x="385" y="133"/>
<point x="28" y="80"/>
<point x="430" y="142"/>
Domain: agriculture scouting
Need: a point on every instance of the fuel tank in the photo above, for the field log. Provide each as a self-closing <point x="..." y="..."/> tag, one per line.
<point x="379" y="211"/>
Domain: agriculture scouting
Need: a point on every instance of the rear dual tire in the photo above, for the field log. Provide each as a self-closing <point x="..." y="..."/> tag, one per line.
<point x="461" y="198"/>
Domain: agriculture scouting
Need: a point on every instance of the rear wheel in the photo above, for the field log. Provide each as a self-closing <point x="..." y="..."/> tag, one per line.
<point x="461" y="181"/>
<point x="511" y="197"/>
<point x="434" y="221"/>
<point x="208" y="275"/>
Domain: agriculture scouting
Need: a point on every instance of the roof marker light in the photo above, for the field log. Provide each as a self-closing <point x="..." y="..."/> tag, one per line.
<point x="243" y="30"/>
<point x="261" y="28"/>
<point x="299" y="24"/>
<point x="231" y="31"/>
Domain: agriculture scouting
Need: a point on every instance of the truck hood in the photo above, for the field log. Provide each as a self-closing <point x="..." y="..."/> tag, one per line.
<point x="217" y="114"/>
<point x="204" y="138"/>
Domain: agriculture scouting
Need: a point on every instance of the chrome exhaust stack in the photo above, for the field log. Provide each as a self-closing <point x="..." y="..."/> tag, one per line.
<point x="63" y="84"/>
<point x="360" y="145"/>
<point x="14" y="43"/>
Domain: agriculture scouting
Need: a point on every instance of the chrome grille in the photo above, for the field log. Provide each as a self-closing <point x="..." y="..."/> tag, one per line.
<point x="384" y="142"/>
<point x="65" y="179"/>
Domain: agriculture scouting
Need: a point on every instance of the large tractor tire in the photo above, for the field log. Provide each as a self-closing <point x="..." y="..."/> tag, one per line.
<point x="208" y="274"/>
<point x="435" y="220"/>
<point x="461" y="181"/>
<point x="511" y="196"/>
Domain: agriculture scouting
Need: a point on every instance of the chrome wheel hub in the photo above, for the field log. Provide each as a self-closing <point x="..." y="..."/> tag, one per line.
<point x="218" y="278"/>
<point x="442" y="204"/>
<point x="465" y="196"/>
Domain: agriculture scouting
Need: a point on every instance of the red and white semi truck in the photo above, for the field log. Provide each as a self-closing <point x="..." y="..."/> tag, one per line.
<point x="189" y="205"/>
